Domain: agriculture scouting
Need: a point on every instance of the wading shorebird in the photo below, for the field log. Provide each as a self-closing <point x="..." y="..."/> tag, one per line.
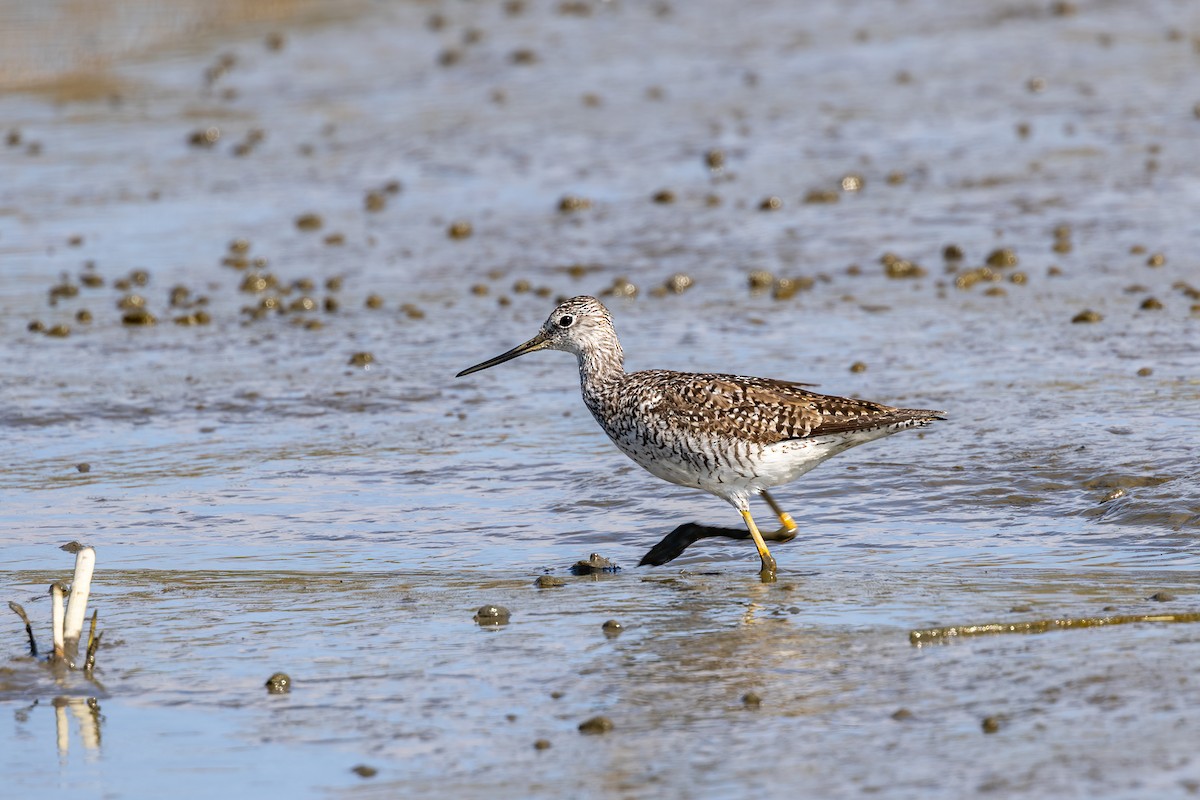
<point x="729" y="435"/>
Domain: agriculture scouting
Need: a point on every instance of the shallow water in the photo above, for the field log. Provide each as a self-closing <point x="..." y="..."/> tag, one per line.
<point x="258" y="503"/>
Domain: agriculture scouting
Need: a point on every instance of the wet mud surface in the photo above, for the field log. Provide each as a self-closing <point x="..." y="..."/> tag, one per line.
<point x="242" y="262"/>
<point x="391" y="670"/>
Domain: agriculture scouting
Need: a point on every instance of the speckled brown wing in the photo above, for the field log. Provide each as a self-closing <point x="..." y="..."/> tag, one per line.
<point x="764" y="411"/>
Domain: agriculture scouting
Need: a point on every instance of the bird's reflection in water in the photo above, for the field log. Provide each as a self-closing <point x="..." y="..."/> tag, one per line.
<point x="674" y="543"/>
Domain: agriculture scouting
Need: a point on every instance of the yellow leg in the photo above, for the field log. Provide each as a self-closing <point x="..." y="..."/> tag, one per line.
<point x="788" y="531"/>
<point x="768" y="562"/>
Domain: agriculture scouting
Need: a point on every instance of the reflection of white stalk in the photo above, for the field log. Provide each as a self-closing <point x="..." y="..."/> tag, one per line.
<point x="61" y="728"/>
<point x="81" y="587"/>
<point x="56" y="617"/>
<point x="89" y="725"/>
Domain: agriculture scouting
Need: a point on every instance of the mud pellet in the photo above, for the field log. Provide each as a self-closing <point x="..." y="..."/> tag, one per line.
<point x="596" y="725"/>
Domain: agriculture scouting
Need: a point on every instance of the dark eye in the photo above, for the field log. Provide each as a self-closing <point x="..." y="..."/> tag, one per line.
<point x="566" y="321"/>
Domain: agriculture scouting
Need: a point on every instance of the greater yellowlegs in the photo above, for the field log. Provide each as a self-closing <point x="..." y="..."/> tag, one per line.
<point x="729" y="435"/>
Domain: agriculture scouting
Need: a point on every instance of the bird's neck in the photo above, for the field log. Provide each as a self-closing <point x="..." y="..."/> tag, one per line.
<point x="601" y="366"/>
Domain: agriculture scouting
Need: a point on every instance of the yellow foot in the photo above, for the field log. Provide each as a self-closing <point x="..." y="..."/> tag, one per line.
<point x="767" y="573"/>
<point x="786" y="533"/>
<point x="789" y="530"/>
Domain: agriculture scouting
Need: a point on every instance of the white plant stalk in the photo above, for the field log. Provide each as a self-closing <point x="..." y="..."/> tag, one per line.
<point x="57" y="615"/>
<point x="81" y="588"/>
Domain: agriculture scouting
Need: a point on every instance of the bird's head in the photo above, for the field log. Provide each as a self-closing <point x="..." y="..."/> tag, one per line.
<point x="579" y="325"/>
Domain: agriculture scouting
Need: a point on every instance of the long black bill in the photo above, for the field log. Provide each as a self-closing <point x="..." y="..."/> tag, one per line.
<point x="538" y="342"/>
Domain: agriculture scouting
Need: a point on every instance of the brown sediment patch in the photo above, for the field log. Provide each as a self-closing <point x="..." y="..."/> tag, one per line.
<point x="66" y="54"/>
<point x="75" y="86"/>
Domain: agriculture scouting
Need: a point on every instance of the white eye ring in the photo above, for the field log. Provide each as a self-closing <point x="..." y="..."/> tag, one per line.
<point x="566" y="321"/>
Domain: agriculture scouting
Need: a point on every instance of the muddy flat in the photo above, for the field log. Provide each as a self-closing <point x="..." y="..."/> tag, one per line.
<point x="243" y="254"/>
